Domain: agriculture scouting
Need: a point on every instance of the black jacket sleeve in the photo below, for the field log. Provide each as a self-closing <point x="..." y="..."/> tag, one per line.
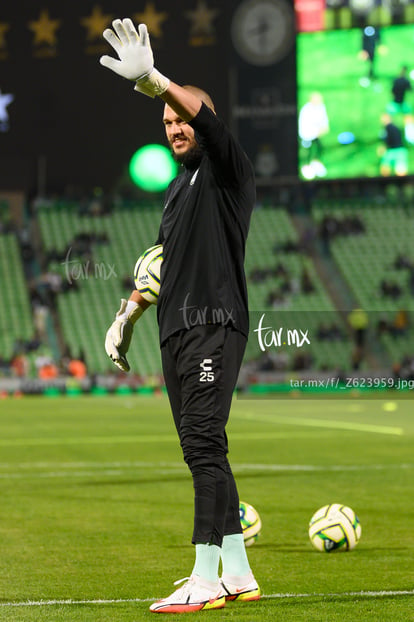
<point x="230" y="163"/>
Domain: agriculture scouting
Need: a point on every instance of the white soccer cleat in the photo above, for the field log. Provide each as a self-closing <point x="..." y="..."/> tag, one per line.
<point x="248" y="590"/>
<point x="195" y="595"/>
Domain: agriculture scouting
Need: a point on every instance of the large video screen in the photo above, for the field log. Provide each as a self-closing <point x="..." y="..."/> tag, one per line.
<point x="356" y="102"/>
<point x="314" y="15"/>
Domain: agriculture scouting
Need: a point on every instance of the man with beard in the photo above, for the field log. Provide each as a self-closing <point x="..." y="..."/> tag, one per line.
<point x="202" y="314"/>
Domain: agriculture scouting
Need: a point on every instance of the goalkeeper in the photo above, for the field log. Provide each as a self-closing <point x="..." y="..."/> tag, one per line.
<point x="202" y="313"/>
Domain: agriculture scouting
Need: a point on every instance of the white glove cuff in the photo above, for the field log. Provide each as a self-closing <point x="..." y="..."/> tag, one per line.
<point x="135" y="313"/>
<point x="130" y="310"/>
<point x="153" y="84"/>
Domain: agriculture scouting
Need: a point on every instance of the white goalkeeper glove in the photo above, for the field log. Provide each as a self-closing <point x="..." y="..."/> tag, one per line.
<point x="136" y="60"/>
<point x="118" y="336"/>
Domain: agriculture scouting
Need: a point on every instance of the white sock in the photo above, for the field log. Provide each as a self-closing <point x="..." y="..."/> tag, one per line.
<point x="234" y="557"/>
<point x="207" y="562"/>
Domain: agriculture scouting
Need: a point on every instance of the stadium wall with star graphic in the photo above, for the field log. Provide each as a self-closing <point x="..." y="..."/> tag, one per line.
<point x="69" y="123"/>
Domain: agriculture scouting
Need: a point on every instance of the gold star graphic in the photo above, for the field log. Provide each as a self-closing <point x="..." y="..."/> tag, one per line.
<point x="96" y="23"/>
<point x="44" y="28"/>
<point x="152" y="19"/>
<point x="202" y="19"/>
<point x="3" y="29"/>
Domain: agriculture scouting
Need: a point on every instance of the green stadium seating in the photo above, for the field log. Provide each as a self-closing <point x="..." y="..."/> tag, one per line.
<point x="86" y="312"/>
<point x="272" y="228"/>
<point x="365" y="260"/>
<point x="15" y="311"/>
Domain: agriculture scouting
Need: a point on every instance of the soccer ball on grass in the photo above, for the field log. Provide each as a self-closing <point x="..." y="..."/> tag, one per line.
<point x="334" y="527"/>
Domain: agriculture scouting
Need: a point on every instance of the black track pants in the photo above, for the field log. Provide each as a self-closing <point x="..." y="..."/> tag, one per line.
<point x="201" y="366"/>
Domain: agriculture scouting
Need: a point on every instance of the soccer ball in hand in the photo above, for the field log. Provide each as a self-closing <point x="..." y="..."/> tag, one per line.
<point x="147" y="273"/>
<point x="250" y="522"/>
<point x="334" y="527"/>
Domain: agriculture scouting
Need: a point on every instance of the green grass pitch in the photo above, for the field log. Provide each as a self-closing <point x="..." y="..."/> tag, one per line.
<point x="328" y="63"/>
<point x="96" y="507"/>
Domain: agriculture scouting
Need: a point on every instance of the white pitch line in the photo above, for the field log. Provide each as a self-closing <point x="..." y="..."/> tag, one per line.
<point x="115" y="440"/>
<point x="364" y="594"/>
<point x="70" y="601"/>
<point x="86" y="440"/>
<point x="29" y="466"/>
<point x="115" y="469"/>
<point x="112" y="601"/>
<point x="89" y="465"/>
<point x="321" y="423"/>
<point x="236" y="436"/>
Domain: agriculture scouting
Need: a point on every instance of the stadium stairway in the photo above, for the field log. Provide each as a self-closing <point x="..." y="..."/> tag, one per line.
<point x="363" y="261"/>
<point x="52" y="333"/>
<point x="336" y="286"/>
<point x="16" y="322"/>
<point x="274" y="240"/>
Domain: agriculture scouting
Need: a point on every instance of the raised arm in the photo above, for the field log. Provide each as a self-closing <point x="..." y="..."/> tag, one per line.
<point x="182" y="101"/>
<point x="136" y="62"/>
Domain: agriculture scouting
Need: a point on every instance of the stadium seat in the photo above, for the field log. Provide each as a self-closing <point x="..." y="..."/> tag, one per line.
<point x="15" y="310"/>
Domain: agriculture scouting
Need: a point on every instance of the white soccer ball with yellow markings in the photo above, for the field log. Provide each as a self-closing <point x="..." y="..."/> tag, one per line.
<point x="334" y="527"/>
<point x="250" y="522"/>
<point x="147" y="273"/>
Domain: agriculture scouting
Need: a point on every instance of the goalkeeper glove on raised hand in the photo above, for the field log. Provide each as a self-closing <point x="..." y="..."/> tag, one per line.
<point x="118" y="336"/>
<point x="136" y="60"/>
